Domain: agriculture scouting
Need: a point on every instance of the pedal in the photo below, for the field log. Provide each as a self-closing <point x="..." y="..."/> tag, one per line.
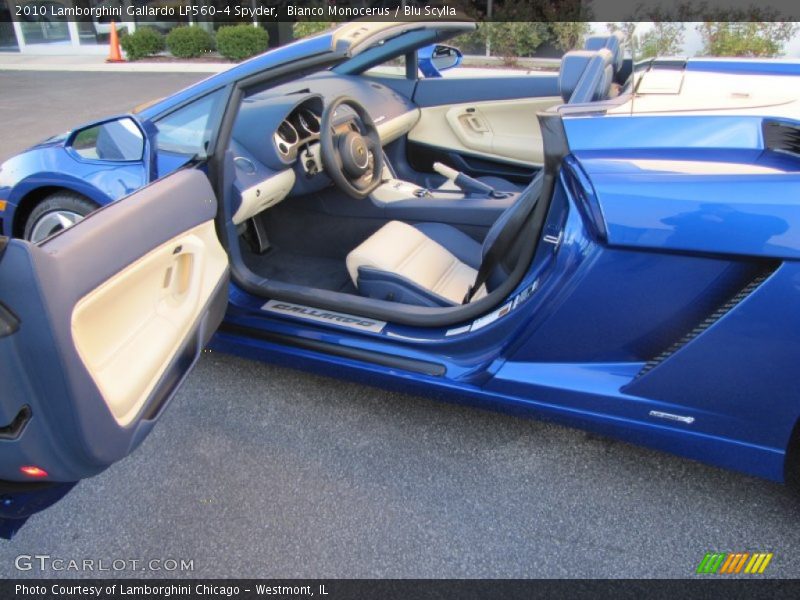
<point x="257" y="236"/>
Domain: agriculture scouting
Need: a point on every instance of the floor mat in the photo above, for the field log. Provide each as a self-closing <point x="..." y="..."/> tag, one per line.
<point x="315" y="233"/>
<point x="312" y="271"/>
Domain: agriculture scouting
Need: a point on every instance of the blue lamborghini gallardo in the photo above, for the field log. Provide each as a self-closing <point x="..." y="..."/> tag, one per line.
<point x="615" y="246"/>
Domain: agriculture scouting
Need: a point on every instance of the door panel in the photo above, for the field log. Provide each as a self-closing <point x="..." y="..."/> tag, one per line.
<point x="127" y="329"/>
<point x="505" y="130"/>
<point x="458" y="90"/>
<point x="421" y="157"/>
<point x="112" y="313"/>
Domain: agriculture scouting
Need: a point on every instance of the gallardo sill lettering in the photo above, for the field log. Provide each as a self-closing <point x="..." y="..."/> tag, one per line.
<point x="315" y="314"/>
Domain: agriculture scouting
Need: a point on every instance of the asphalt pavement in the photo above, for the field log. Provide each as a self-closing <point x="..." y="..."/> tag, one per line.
<point x="36" y="105"/>
<point x="262" y="471"/>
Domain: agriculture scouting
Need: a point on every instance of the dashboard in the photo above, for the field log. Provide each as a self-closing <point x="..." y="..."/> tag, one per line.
<point x="275" y="140"/>
<point x="302" y="126"/>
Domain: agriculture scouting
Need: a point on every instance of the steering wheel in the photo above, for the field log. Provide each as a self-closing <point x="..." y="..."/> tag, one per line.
<point x="352" y="159"/>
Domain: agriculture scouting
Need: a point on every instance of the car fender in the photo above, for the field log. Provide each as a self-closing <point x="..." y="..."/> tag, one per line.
<point x="52" y="167"/>
<point x="28" y="191"/>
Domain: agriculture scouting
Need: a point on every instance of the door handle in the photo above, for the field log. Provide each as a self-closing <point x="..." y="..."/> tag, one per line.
<point x="476" y="123"/>
<point x="178" y="275"/>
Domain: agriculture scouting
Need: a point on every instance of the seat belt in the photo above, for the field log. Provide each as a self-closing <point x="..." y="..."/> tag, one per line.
<point x="504" y="241"/>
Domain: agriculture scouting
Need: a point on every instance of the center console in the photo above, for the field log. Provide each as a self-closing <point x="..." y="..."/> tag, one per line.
<point x="459" y="201"/>
<point x="397" y="190"/>
<point x="405" y="201"/>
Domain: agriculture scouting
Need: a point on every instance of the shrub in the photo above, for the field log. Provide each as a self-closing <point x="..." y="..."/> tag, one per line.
<point x="188" y="42"/>
<point x="238" y="42"/>
<point x="303" y="29"/>
<point x="142" y="42"/>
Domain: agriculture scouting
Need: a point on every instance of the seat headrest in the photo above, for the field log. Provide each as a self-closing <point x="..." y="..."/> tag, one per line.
<point x="613" y="42"/>
<point x="586" y="76"/>
<point x="573" y="64"/>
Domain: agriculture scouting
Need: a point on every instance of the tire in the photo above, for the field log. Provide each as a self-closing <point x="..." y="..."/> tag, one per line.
<point x="791" y="468"/>
<point x="56" y="212"/>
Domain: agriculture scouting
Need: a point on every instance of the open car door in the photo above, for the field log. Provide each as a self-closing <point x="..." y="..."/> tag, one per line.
<point x="99" y="325"/>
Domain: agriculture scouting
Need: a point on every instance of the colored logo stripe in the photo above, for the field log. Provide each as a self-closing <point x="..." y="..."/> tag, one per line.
<point x="733" y="562"/>
<point x="710" y="563"/>
<point x="758" y="563"/>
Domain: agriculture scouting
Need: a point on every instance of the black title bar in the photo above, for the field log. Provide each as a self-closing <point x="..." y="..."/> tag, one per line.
<point x="265" y="11"/>
<point x="404" y="589"/>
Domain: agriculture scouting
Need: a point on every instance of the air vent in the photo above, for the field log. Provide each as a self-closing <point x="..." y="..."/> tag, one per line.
<point x="758" y="278"/>
<point x="781" y="137"/>
<point x="245" y="164"/>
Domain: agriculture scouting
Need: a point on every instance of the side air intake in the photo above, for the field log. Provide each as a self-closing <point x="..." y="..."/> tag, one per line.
<point x="782" y="137"/>
<point x="760" y="277"/>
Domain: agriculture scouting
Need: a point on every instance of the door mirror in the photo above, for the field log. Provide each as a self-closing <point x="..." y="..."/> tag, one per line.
<point x="119" y="139"/>
<point x="435" y="59"/>
<point x="446" y="57"/>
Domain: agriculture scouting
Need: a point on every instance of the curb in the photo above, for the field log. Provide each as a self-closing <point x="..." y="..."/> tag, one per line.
<point x="102" y="67"/>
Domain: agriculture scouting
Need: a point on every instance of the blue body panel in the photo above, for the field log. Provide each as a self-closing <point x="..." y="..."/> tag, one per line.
<point x="572" y="350"/>
<point x="724" y="210"/>
<point x="649" y="256"/>
<point x="744" y="66"/>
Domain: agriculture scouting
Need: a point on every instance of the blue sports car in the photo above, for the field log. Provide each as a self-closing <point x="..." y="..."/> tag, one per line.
<point x="614" y="247"/>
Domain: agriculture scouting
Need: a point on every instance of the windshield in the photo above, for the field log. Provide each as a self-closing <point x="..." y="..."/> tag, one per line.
<point x="187" y="130"/>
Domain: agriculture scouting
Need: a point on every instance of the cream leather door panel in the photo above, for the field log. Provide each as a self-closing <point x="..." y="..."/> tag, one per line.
<point x="505" y="130"/>
<point x="113" y="313"/>
<point x="127" y="329"/>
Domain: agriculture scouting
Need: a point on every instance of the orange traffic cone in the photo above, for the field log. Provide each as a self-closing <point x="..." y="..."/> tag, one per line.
<point x="114" y="54"/>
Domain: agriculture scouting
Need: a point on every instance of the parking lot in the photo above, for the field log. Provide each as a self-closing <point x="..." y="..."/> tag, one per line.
<point x="259" y="471"/>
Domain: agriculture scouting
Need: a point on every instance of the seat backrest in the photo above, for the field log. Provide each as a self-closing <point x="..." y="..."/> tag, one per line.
<point x="586" y="75"/>
<point x="512" y="213"/>
<point x="573" y="65"/>
<point x="595" y="82"/>
<point x="614" y="43"/>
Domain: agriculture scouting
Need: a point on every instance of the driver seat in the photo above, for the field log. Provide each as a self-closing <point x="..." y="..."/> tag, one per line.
<point x="428" y="264"/>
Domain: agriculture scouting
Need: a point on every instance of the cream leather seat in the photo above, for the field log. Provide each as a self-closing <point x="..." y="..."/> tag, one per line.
<point x="400" y="262"/>
<point x="435" y="264"/>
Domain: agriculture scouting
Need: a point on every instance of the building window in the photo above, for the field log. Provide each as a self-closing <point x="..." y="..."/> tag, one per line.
<point x="38" y="27"/>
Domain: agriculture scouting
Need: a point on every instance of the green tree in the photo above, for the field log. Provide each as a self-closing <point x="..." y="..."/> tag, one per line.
<point x="513" y="39"/>
<point x="664" y="39"/>
<point x="745" y="38"/>
<point x="474" y="42"/>
<point x="628" y="29"/>
<point x="568" y="35"/>
<point x="509" y="39"/>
